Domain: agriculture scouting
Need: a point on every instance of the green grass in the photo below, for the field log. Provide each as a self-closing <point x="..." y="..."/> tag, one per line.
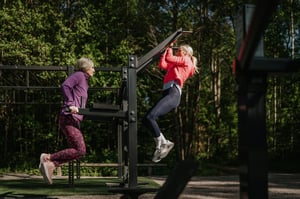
<point x="60" y="187"/>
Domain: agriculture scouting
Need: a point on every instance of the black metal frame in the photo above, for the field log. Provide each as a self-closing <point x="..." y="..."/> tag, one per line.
<point x="127" y="113"/>
<point x="109" y="112"/>
<point x="251" y="75"/>
<point x="27" y="86"/>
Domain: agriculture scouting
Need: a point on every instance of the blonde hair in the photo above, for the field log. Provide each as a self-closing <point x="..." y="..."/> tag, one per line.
<point x="83" y="64"/>
<point x="189" y="50"/>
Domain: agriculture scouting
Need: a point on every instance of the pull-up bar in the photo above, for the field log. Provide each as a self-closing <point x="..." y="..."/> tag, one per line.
<point x="155" y="53"/>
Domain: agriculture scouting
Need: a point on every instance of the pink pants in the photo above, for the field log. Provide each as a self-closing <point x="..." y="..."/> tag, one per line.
<point x="71" y="129"/>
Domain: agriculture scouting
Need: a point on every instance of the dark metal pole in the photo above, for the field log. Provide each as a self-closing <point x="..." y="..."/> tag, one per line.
<point x="253" y="170"/>
<point x="70" y="70"/>
<point x="132" y="121"/>
<point x="123" y="142"/>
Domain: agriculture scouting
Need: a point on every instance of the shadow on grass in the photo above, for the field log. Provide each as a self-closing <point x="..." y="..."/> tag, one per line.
<point x="11" y="195"/>
<point x="37" y="188"/>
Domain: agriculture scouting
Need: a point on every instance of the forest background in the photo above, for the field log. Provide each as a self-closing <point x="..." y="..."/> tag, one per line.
<point x="57" y="33"/>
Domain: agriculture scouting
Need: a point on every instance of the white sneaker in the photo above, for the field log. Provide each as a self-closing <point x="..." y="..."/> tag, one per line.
<point x="47" y="171"/>
<point x="42" y="159"/>
<point x="166" y="148"/>
<point x="163" y="151"/>
<point x="156" y="155"/>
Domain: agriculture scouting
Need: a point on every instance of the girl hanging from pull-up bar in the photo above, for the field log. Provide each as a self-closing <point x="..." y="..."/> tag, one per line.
<point x="178" y="69"/>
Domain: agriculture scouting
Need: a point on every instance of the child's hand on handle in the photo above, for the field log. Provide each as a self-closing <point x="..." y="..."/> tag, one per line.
<point x="164" y="51"/>
<point x="172" y="44"/>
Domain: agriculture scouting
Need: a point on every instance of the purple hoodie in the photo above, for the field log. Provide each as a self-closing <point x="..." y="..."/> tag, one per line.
<point x="75" y="92"/>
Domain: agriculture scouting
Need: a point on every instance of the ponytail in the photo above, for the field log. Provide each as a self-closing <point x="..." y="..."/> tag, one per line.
<point x="188" y="49"/>
<point x="194" y="60"/>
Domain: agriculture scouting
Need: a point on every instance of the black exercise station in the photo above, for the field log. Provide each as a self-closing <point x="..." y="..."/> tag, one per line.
<point x="128" y="116"/>
<point x="123" y="113"/>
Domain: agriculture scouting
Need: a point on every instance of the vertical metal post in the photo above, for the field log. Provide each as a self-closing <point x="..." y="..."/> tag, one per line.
<point x="253" y="170"/>
<point x="132" y="121"/>
<point x="122" y="124"/>
<point x="120" y="151"/>
<point x="124" y="137"/>
<point x="71" y="173"/>
<point x="70" y="70"/>
<point x="77" y="169"/>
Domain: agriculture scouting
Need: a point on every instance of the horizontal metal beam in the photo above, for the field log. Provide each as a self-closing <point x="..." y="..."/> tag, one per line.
<point x="31" y="103"/>
<point x="30" y="87"/>
<point x="55" y="68"/>
<point x="55" y="88"/>
<point x="261" y="64"/>
<point x="38" y="68"/>
<point x="98" y="114"/>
